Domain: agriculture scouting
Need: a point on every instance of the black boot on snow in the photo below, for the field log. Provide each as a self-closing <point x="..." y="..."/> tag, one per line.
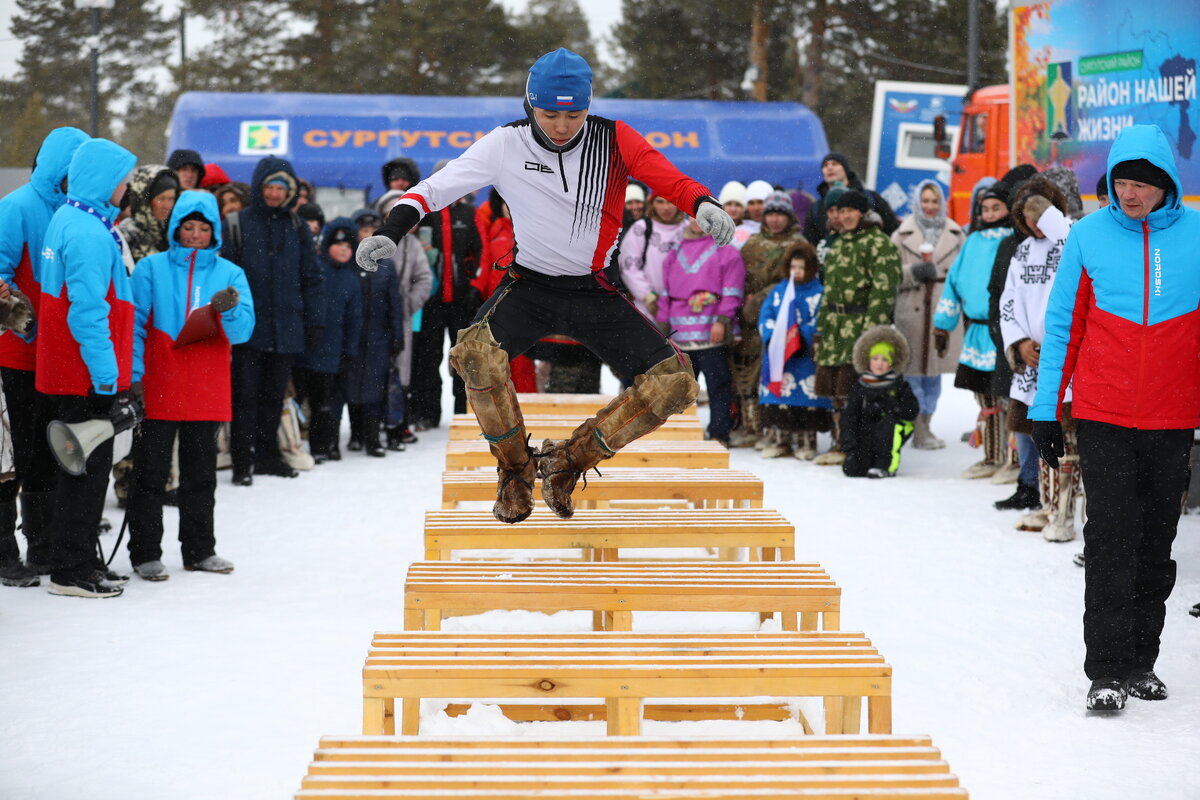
<point x="1106" y="695"/>
<point x="395" y="441"/>
<point x="1195" y="612"/>
<point x="1145" y="685"/>
<point x="1026" y="496"/>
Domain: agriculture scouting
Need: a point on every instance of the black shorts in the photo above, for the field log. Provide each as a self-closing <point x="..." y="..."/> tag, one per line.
<point x="528" y="305"/>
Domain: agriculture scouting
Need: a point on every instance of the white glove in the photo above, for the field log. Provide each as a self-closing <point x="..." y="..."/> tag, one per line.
<point x="713" y="220"/>
<point x="372" y="250"/>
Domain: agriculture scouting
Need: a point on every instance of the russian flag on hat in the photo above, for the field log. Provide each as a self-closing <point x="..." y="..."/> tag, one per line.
<point x="561" y="81"/>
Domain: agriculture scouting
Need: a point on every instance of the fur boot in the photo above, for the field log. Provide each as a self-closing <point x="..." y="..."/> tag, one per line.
<point x="1037" y="520"/>
<point x="665" y="389"/>
<point x="806" y="446"/>
<point x="775" y="444"/>
<point x="1012" y="465"/>
<point x="990" y="431"/>
<point x="1064" y="488"/>
<point x="748" y="432"/>
<point x="923" y="436"/>
<point x="834" y="457"/>
<point x="483" y="366"/>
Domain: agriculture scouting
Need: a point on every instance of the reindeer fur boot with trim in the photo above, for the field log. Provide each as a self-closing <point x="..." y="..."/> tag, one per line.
<point x="483" y="366"/>
<point x="665" y="389"/>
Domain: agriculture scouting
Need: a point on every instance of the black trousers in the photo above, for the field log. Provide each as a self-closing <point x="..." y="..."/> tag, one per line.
<point x="197" y="488"/>
<point x="29" y="411"/>
<point x="526" y="308"/>
<point x="875" y="445"/>
<point x="78" y="501"/>
<point x="260" y="380"/>
<point x="1135" y="482"/>
<point x="713" y="362"/>
<point x="439" y="322"/>
<point x="324" y="405"/>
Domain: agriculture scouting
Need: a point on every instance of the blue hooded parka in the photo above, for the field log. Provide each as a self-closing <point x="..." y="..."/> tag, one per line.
<point x="343" y="306"/>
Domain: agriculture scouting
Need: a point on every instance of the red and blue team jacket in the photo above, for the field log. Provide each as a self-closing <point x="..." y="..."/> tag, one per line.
<point x="190" y="382"/>
<point x="1123" y="320"/>
<point x="24" y="216"/>
<point x="85" y="331"/>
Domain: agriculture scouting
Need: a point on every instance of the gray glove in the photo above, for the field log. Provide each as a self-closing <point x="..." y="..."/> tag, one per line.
<point x="372" y="250"/>
<point x="924" y="272"/>
<point x="713" y="220"/>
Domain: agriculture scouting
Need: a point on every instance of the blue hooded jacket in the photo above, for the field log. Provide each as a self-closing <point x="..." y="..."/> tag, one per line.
<point x="191" y="381"/>
<point x="85" y="328"/>
<point x="276" y="252"/>
<point x="343" y="306"/>
<point x="1122" y="323"/>
<point x="24" y="216"/>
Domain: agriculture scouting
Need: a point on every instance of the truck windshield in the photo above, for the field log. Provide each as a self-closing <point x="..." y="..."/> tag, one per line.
<point x="976" y="139"/>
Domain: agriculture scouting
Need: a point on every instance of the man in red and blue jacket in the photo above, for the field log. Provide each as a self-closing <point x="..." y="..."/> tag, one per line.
<point x="24" y="216"/>
<point x="85" y="347"/>
<point x="1123" y="331"/>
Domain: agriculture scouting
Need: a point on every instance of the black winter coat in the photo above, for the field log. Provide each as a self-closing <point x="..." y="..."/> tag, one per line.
<point x="365" y="381"/>
<point x="816" y="227"/>
<point x="277" y="255"/>
<point x="343" y="318"/>
<point x="468" y="252"/>
<point x="870" y="404"/>
<point x="1002" y="375"/>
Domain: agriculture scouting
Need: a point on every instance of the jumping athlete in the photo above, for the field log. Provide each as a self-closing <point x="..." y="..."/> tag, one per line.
<point x="564" y="175"/>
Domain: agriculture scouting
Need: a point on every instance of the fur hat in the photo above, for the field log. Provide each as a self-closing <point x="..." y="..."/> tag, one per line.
<point x="732" y="192"/>
<point x="853" y="198"/>
<point x="758" y="190"/>
<point x="1067" y="182"/>
<point x="401" y="168"/>
<point x="1037" y="185"/>
<point x="873" y="336"/>
<point x="802" y="249"/>
<point x="778" y="203"/>
<point x="560" y="81"/>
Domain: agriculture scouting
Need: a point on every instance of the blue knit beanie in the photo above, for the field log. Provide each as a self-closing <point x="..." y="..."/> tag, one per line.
<point x="560" y="81"/>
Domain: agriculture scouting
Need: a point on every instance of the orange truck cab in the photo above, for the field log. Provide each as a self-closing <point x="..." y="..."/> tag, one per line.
<point x="983" y="147"/>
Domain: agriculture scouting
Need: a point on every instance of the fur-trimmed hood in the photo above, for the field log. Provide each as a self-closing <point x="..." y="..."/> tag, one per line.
<point x="1037" y="185"/>
<point x="872" y="337"/>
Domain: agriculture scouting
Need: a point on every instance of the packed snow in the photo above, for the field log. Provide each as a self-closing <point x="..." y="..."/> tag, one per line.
<point x="210" y="686"/>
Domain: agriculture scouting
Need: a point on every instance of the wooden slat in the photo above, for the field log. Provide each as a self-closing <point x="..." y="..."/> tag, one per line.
<point x="655" y="453"/>
<point x="464" y="427"/>
<point x="585" y="405"/>
<point x="651" y="768"/>
<point x="701" y="487"/>
<point x="432" y="587"/>
<point x="594" y="530"/>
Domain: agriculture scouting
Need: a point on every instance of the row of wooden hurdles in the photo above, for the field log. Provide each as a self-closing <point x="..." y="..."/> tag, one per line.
<point x="557" y="676"/>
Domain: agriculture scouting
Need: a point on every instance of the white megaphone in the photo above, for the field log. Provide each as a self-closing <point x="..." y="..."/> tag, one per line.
<point x="72" y="443"/>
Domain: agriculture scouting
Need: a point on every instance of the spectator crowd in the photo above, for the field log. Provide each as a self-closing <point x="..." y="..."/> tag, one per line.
<point x="233" y="317"/>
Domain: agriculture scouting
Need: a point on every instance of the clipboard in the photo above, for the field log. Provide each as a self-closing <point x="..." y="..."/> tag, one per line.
<point x="203" y="323"/>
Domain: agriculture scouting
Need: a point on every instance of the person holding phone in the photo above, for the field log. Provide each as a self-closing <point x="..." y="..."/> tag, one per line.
<point x="563" y="173"/>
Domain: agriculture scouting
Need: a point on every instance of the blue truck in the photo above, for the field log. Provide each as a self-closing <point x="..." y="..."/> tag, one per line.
<point x="339" y="141"/>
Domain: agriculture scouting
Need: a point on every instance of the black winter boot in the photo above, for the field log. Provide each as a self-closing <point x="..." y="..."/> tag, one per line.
<point x="395" y="440"/>
<point x="1106" y="695"/>
<point x="12" y="571"/>
<point x="37" y="512"/>
<point x="1026" y="496"/>
<point x="1145" y="685"/>
<point x="371" y="441"/>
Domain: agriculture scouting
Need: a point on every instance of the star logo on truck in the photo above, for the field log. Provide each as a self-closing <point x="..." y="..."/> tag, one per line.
<point x="263" y="137"/>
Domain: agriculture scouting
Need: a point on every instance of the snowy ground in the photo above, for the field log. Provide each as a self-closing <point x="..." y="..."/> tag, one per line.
<point x="219" y="686"/>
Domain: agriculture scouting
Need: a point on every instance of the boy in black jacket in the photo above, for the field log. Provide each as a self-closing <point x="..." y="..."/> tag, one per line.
<point x="879" y="413"/>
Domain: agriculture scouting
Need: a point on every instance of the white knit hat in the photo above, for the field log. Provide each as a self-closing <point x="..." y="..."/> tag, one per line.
<point x="733" y="192"/>
<point x="635" y="192"/>
<point x="758" y="190"/>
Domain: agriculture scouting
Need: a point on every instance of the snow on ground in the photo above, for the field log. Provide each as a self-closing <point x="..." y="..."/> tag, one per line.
<point x="220" y="686"/>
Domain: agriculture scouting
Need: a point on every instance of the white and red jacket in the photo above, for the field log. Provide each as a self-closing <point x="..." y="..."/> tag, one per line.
<point x="566" y="206"/>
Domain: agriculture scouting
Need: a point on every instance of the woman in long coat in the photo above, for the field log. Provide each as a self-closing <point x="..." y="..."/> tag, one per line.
<point x="929" y="242"/>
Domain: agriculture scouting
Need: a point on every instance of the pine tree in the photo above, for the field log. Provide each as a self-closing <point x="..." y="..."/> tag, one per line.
<point x="54" y="65"/>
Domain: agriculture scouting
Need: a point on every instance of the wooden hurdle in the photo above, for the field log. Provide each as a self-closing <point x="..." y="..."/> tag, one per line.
<point x="624" y="669"/>
<point x="655" y="454"/>
<point x="620" y="768"/>
<point x="582" y="405"/>
<point x="698" y="488"/>
<point x="464" y="427"/>
<point x="602" y="534"/>
<point x="613" y="591"/>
